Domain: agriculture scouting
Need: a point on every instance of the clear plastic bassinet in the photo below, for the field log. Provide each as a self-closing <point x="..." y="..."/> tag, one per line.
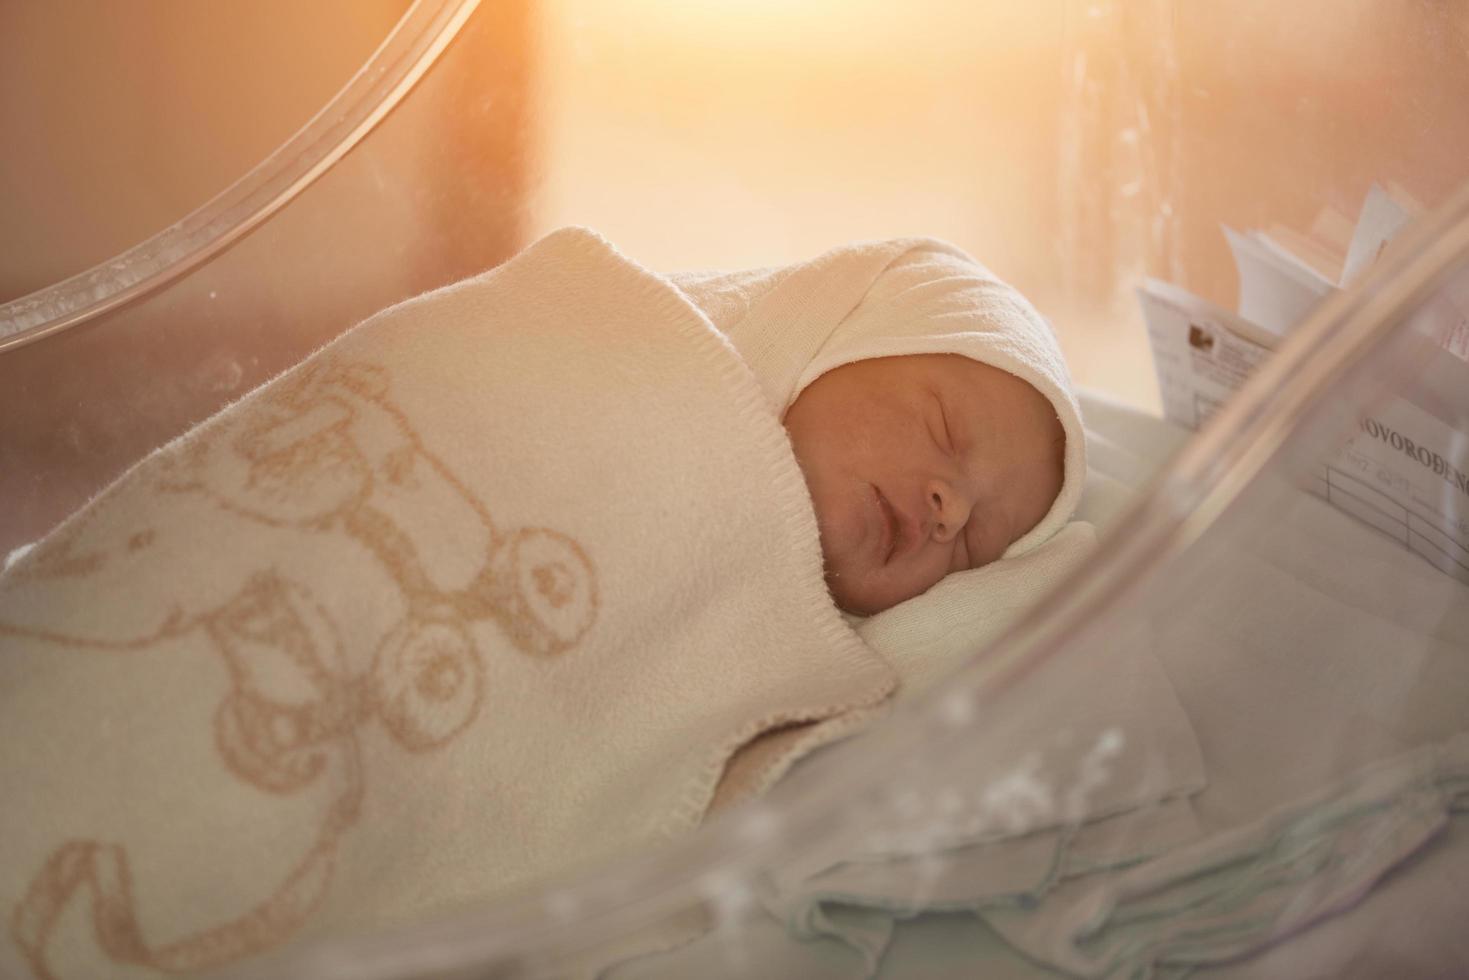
<point x="1275" y="628"/>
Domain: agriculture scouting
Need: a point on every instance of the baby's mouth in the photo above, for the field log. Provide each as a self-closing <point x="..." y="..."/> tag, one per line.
<point x="887" y="543"/>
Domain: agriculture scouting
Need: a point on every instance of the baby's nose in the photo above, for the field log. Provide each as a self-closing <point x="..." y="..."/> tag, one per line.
<point x="948" y="509"/>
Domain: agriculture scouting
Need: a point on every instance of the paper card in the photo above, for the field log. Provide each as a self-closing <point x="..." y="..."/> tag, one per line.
<point x="1381" y="218"/>
<point x="1276" y="289"/>
<point x="1201" y="352"/>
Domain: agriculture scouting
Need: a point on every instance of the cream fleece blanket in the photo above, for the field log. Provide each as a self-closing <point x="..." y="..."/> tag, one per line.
<point x="493" y="586"/>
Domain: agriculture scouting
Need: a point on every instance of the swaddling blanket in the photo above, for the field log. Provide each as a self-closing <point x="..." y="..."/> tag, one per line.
<point x="491" y="586"/>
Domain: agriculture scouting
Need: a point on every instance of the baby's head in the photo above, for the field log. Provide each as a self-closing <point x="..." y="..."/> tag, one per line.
<point x="927" y="402"/>
<point x="919" y="466"/>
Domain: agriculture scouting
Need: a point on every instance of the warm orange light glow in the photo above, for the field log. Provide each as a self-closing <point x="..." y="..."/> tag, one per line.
<point x="1069" y="144"/>
<point x="729" y="133"/>
<point x="725" y="133"/>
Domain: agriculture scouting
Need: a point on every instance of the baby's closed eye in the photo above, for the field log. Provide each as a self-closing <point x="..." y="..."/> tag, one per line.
<point x="945" y="438"/>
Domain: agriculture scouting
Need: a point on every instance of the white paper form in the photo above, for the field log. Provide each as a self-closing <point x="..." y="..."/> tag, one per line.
<point x="1405" y="471"/>
<point x="1202" y="353"/>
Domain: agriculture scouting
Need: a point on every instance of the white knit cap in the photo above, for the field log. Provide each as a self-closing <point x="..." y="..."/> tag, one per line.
<point x="886" y="299"/>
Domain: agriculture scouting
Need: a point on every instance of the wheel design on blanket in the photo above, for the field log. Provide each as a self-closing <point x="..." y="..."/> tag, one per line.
<point x="550" y="591"/>
<point x="427" y="680"/>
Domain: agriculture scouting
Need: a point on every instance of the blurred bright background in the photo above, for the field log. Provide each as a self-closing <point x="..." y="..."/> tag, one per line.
<point x="1071" y="145"/>
<point x="727" y="134"/>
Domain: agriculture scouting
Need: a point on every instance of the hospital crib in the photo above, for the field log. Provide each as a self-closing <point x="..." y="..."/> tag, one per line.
<point x="1307" y="619"/>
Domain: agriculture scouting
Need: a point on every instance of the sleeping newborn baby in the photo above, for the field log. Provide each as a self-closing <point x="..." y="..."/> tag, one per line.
<point x="927" y="404"/>
<point x="920" y="466"/>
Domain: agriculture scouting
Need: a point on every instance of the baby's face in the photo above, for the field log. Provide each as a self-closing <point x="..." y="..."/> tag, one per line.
<point x="920" y="466"/>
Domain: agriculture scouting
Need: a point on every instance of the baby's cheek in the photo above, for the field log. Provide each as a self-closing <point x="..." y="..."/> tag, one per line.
<point x="894" y="584"/>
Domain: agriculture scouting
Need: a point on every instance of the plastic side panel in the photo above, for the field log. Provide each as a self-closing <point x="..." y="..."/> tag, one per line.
<point x="433" y="194"/>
